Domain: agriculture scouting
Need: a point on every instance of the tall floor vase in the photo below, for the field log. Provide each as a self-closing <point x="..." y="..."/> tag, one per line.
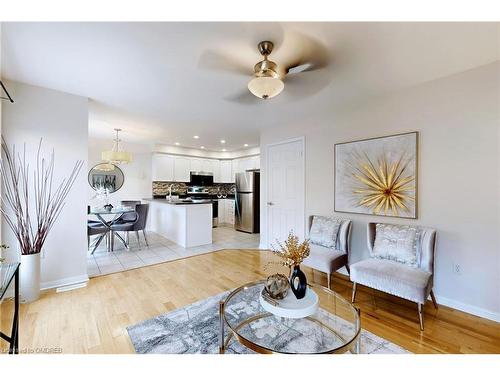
<point x="30" y="277"/>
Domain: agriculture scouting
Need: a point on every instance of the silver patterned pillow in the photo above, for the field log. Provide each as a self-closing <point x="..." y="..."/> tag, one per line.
<point x="324" y="231"/>
<point x="397" y="242"/>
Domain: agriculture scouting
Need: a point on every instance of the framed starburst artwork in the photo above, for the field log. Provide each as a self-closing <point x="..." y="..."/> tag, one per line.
<point x="377" y="176"/>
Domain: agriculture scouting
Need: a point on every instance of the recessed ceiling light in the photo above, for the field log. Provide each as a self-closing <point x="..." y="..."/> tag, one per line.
<point x="223" y="150"/>
<point x="245" y="145"/>
<point x="196" y="136"/>
<point x="202" y="146"/>
<point x="223" y="141"/>
<point x="177" y="143"/>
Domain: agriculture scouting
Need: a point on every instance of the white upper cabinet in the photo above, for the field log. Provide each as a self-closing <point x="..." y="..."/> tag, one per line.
<point x="245" y="164"/>
<point x="235" y="168"/>
<point x="196" y="165"/>
<point x="182" y="167"/>
<point x="163" y="167"/>
<point x="226" y="175"/>
<point x="177" y="168"/>
<point x="206" y="165"/>
<point x="255" y="163"/>
<point x="215" y="169"/>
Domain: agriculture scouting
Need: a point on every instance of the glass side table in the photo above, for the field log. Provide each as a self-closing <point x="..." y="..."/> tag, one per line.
<point x="334" y="328"/>
<point x="9" y="272"/>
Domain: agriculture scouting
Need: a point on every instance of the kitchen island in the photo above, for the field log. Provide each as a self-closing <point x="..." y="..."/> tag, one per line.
<point x="187" y="223"/>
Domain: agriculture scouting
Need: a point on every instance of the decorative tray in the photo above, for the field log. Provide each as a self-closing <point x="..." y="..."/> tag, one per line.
<point x="290" y="306"/>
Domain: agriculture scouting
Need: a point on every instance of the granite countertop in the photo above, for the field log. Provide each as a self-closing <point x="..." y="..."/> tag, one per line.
<point x="208" y="197"/>
<point x="179" y="201"/>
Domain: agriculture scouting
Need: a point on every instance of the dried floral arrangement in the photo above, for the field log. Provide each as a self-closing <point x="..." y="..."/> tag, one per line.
<point x="31" y="199"/>
<point x="291" y="252"/>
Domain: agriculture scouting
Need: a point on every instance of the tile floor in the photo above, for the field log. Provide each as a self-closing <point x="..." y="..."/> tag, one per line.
<point x="160" y="250"/>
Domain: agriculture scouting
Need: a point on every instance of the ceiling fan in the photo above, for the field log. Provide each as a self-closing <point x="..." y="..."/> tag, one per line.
<point x="299" y="54"/>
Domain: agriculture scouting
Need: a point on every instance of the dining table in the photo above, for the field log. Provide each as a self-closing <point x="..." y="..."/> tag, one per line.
<point x="108" y="217"/>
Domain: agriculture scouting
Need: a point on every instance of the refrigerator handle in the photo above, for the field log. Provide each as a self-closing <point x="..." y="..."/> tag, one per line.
<point x="236" y="205"/>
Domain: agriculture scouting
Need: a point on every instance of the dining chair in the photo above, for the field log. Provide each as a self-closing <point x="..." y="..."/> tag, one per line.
<point x="96" y="229"/>
<point x="138" y="224"/>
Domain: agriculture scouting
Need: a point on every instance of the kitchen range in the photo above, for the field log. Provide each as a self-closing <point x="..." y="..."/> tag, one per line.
<point x="186" y="213"/>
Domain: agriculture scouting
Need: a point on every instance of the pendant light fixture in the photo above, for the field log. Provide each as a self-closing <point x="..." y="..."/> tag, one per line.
<point x="117" y="155"/>
<point x="105" y="167"/>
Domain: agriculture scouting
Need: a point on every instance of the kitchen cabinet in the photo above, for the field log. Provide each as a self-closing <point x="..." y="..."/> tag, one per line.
<point x="255" y="162"/>
<point x="182" y="167"/>
<point x="177" y="168"/>
<point x="196" y="165"/>
<point x="245" y="164"/>
<point x="226" y="168"/>
<point x="222" y="211"/>
<point x="229" y="211"/>
<point x="235" y="168"/>
<point x="215" y="169"/>
<point x="226" y="211"/>
<point x="163" y="167"/>
<point x="206" y="166"/>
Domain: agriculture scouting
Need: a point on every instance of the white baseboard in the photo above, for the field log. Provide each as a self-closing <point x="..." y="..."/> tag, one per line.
<point x="474" y="310"/>
<point x="64" y="282"/>
<point x="263" y="246"/>
<point x="457" y="305"/>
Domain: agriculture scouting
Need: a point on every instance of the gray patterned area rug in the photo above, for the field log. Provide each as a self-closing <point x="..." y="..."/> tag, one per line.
<point x="195" y="329"/>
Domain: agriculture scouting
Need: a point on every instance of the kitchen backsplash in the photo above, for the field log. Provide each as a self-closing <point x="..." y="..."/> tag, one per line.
<point x="161" y="188"/>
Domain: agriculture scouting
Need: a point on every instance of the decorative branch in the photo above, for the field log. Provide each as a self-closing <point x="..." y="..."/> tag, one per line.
<point x="20" y="192"/>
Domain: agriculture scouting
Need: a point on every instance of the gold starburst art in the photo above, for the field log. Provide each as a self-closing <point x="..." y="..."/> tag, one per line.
<point x="377" y="176"/>
<point x="384" y="186"/>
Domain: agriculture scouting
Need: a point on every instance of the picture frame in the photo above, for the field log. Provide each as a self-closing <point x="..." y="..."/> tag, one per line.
<point x="378" y="176"/>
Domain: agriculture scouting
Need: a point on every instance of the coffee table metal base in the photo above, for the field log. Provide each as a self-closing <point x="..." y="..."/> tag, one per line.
<point x="354" y="346"/>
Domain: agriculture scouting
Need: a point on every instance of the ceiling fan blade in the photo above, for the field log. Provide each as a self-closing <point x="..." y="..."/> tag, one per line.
<point x="305" y="54"/>
<point x="218" y="61"/>
<point x="306" y="84"/>
<point x="244" y="97"/>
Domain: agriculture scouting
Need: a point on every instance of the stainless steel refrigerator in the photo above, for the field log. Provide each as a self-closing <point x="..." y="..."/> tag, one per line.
<point x="247" y="202"/>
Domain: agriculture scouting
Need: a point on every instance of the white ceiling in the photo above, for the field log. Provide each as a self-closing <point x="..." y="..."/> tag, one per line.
<point x="146" y="78"/>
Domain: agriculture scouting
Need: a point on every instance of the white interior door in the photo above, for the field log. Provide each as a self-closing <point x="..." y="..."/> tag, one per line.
<point x="285" y="190"/>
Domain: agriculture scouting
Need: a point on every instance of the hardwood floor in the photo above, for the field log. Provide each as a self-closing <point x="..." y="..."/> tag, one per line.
<point x="94" y="319"/>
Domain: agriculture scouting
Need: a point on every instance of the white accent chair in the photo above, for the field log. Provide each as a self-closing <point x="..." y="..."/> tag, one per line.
<point x="327" y="259"/>
<point x="412" y="283"/>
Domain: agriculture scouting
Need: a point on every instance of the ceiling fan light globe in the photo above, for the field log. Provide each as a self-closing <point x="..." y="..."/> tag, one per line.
<point x="266" y="87"/>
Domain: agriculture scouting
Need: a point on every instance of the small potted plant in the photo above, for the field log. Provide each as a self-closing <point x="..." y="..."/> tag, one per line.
<point x="31" y="204"/>
<point x="291" y="254"/>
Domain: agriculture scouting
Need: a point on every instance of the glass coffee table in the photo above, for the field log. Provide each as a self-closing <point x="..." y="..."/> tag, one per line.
<point x="334" y="328"/>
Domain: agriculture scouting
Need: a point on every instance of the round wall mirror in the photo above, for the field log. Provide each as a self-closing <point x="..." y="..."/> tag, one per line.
<point x="106" y="176"/>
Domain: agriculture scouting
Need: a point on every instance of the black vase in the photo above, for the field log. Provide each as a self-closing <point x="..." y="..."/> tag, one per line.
<point x="298" y="283"/>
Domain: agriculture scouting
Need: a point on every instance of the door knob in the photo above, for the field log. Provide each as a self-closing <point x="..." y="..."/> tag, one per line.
<point x="270" y="203"/>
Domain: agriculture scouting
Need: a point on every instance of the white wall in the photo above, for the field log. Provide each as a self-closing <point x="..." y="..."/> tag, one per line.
<point x="458" y="121"/>
<point x="1" y="104"/>
<point x="138" y="183"/>
<point x="62" y="121"/>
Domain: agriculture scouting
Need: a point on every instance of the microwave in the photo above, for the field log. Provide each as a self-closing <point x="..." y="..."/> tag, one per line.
<point x="201" y="178"/>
